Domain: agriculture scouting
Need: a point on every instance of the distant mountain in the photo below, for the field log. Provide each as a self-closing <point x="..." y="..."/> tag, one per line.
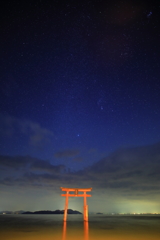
<point x="70" y="211"/>
<point x="19" y="212"/>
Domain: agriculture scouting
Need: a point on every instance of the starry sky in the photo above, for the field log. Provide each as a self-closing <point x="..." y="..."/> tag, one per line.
<point x="80" y="104"/>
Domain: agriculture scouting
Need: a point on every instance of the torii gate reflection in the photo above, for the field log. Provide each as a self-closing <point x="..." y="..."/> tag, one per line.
<point x="86" y="230"/>
<point x="85" y="208"/>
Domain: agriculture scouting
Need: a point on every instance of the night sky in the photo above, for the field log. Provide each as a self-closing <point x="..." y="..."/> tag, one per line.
<point x="80" y="104"/>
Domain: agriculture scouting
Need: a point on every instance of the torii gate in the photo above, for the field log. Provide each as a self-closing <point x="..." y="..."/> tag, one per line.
<point x="76" y="194"/>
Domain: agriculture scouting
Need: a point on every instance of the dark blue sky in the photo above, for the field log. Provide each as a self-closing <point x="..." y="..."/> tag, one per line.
<point x="78" y="81"/>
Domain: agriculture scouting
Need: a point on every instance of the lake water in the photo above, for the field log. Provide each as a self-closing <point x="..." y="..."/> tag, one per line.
<point x="99" y="227"/>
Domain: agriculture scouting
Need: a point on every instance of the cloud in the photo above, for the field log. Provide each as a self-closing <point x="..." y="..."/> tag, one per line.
<point x="29" y="171"/>
<point x="15" y="161"/>
<point x="92" y="150"/>
<point x="40" y="179"/>
<point x="67" y="153"/>
<point x="78" y="159"/>
<point x="36" y="135"/>
<point x="127" y="172"/>
<point x="131" y="169"/>
<point x="45" y="166"/>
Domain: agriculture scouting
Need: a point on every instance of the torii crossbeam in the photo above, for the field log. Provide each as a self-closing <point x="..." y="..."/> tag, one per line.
<point x="76" y="194"/>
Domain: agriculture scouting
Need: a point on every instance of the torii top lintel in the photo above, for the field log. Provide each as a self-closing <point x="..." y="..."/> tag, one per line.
<point x="76" y="191"/>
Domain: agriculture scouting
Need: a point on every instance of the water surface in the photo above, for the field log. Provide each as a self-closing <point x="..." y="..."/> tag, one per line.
<point x="99" y="227"/>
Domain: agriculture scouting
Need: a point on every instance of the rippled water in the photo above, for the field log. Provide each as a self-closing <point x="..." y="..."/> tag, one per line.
<point x="99" y="227"/>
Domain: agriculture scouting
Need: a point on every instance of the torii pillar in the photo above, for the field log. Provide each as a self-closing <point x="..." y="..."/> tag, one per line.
<point x="76" y="194"/>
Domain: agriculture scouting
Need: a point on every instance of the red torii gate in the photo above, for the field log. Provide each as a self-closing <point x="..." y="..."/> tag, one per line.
<point x="76" y="194"/>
